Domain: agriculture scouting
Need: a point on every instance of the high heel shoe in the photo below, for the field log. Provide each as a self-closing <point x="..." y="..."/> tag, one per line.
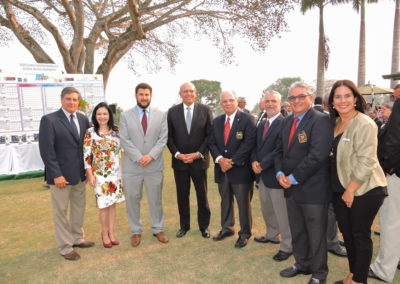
<point x="106" y="245"/>
<point x="114" y="243"/>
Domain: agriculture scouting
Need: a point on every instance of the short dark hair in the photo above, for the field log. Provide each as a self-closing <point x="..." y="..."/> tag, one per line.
<point x="70" y="90"/>
<point x="318" y="101"/>
<point x="143" y="86"/>
<point x="360" y="103"/>
<point x="110" y="122"/>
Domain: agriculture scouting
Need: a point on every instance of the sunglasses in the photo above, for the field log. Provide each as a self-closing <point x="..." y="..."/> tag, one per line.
<point x="300" y="97"/>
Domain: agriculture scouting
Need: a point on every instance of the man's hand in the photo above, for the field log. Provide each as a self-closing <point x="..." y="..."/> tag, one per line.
<point x="256" y="167"/>
<point x="145" y="160"/>
<point x="284" y="181"/>
<point x="187" y="158"/>
<point x="225" y="164"/>
<point x="60" y="182"/>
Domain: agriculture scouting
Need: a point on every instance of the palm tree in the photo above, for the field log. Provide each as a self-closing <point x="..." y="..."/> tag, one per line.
<point x="396" y="43"/>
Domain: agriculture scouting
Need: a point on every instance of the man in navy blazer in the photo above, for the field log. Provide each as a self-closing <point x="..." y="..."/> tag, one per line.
<point x="272" y="200"/>
<point x="302" y="169"/>
<point x="61" y="136"/>
<point x="231" y="141"/>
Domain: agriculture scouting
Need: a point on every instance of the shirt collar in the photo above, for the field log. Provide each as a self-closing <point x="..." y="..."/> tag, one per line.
<point x="301" y="115"/>
<point x="185" y="106"/>
<point x="68" y="114"/>
<point x="141" y="110"/>
<point x="232" y="116"/>
<point x="273" y="118"/>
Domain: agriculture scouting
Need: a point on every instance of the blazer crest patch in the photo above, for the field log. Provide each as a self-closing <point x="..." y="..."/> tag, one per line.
<point x="302" y="136"/>
<point x="239" y="135"/>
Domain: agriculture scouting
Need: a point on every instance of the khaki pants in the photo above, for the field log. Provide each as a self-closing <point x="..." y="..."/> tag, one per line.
<point x="68" y="232"/>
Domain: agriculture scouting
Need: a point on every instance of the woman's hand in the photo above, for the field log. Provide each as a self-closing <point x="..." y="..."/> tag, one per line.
<point x="90" y="178"/>
<point x="348" y="195"/>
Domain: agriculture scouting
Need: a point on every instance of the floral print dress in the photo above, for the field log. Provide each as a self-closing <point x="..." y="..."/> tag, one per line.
<point x="102" y="155"/>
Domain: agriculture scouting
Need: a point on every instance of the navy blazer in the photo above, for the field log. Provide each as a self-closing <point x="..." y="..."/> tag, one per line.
<point x="240" y="144"/>
<point x="60" y="149"/>
<point x="265" y="153"/>
<point x="307" y="157"/>
<point x="179" y="140"/>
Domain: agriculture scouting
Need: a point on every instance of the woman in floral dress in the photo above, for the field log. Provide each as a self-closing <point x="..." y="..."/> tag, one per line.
<point x="101" y="150"/>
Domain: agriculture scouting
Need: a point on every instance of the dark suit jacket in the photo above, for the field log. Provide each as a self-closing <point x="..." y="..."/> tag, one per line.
<point x="319" y="108"/>
<point x="306" y="157"/>
<point x="389" y="142"/>
<point x="265" y="153"/>
<point x="60" y="149"/>
<point x="240" y="144"/>
<point x="378" y="122"/>
<point x="180" y="141"/>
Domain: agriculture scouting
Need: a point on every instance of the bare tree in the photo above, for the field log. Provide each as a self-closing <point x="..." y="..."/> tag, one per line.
<point x="134" y="29"/>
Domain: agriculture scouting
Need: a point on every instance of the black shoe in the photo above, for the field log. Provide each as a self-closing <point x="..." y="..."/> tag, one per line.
<point x="341" y="243"/>
<point x="378" y="233"/>
<point x="181" y="233"/>
<point x="292" y="272"/>
<point x="281" y="255"/>
<point x="241" y="242"/>
<point x="339" y="251"/>
<point x="371" y="274"/>
<point x="264" y="240"/>
<point x="222" y="235"/>
<point x="205" y="233"/>
<point x="316" y="281"/>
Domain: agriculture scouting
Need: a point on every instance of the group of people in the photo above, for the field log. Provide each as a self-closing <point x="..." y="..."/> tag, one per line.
<point x="308" y="167"/>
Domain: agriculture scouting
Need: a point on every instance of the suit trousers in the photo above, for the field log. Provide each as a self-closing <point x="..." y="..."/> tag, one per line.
<point x="133" y="195"/>
<point x="386" y="262"/>
<point x="68" y="232"/>
<point x="355" y="224"/>
<point x="332" y="233"/>
<point x="182" y="180"/>
<point x="308" y="225"/>
<point x="273" y="207"/>
<point x="242" y="193"/>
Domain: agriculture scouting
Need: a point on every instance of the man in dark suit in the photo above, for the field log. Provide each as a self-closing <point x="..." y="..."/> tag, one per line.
<point x="231" y="141"/>
<point x="273" y="203"/>
<point x="61" y="148"/>
<point x="189" y="125"/>
<point x="242" y="104"/>
<point x="302" y="169"/>
<point x="374" y="115"/>
<point x="387" y="260"/>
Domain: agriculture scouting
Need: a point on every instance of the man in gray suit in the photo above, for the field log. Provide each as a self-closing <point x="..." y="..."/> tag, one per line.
<point x="144" y="134"/>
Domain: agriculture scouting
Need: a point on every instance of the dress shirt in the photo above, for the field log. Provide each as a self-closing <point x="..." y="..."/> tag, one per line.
<point x="141" y="111"/>
<point x="67" y="114"/>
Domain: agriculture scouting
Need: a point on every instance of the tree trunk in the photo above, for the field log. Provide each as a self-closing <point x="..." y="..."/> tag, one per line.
<point x="361" y="51"/>
<point x="321" y="54"/>
<point x="396" y="44"/>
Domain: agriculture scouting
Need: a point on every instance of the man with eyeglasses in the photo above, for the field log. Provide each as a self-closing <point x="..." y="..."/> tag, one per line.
<point x="302" y="169"/>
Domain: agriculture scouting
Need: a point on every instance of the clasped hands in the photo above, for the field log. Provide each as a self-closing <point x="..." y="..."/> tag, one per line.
<point x="225" y="164"/>
<point x="284" y="181"/>
<point x="187" y="158"/>
<point x="145" y="160"/>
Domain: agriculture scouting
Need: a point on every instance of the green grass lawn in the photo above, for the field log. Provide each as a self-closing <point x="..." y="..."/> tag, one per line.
<point x="29" y="253"/>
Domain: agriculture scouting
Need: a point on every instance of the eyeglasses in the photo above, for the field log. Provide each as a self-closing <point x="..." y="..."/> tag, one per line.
<point x="300" y="97"/>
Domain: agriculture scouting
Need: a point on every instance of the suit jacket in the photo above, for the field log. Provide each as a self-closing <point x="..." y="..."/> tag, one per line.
<point x="306" y="158"/>
<point x="265" y="153"/>
<point x="262" y="116"/>
<point x="389" y="141"/>
<point x="179" y="140"/>
<point x="356" y="157"/>
<point x="135" y="144"/>
<point x="60" y="149"/>
<point x="319" y="108"/>
<point x="240" y="144"/>
<point x="378" y="122"/>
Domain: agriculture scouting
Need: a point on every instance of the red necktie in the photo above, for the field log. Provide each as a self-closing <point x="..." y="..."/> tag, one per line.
<point x="144" y="121"/>
<point x="294" y="125"/>
<point x="266" y="127"/>
<point x="227" y="129"/>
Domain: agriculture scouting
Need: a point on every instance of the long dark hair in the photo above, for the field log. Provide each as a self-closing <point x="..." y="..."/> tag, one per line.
<point x="360" y="103"/>
<point x="110" y="122"/>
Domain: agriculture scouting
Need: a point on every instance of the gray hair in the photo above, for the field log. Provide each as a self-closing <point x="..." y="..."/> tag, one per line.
<point x="301" y="84"/>
<point x="70" y="90"/>
<point x="189" y="83"/>
<point x="277" y="94"/>
<point x="240" y="99"/>
<point x="228" y="91"/>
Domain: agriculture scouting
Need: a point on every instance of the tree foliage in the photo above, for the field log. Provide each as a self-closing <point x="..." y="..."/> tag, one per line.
<point x="134" y="29"/>
<point x="208" y="93"/>
<point x="282" y="86"/>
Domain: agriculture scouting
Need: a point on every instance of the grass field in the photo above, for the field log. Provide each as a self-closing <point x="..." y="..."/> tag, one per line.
<point x="29" y="253"/>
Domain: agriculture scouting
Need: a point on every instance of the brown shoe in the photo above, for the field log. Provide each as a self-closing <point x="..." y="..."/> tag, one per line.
<point x="73" y="255"/>
<point x="84" y="244"/>
<point x="135" y="241"/>
<point x="161" y="237"/>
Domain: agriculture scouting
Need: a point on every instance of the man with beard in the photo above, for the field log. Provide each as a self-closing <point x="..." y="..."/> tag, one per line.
<point x="144" y="134"/>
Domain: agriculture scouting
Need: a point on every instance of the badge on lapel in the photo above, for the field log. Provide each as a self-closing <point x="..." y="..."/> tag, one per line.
<point x="239" y="135"/>
<point x="302" y="136"/>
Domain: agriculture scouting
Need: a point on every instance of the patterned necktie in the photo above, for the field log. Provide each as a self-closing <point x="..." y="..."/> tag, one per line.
<point x="144" y="121"/>
<point x="73" y="125"/>
<point x="188" y="119"/>
<point x="294" y="125"/>
<point x="227" y="129"/>
<point x="266" y="127"/>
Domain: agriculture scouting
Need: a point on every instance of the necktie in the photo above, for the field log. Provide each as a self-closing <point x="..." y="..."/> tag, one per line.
<point x="294" y="125"/>
<point x="73" y="125"/>
<point x="227" y="129"/>
<point x="266" y="127"/>
<point x="188" y="119"/>
<point x="144" y="121"/>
